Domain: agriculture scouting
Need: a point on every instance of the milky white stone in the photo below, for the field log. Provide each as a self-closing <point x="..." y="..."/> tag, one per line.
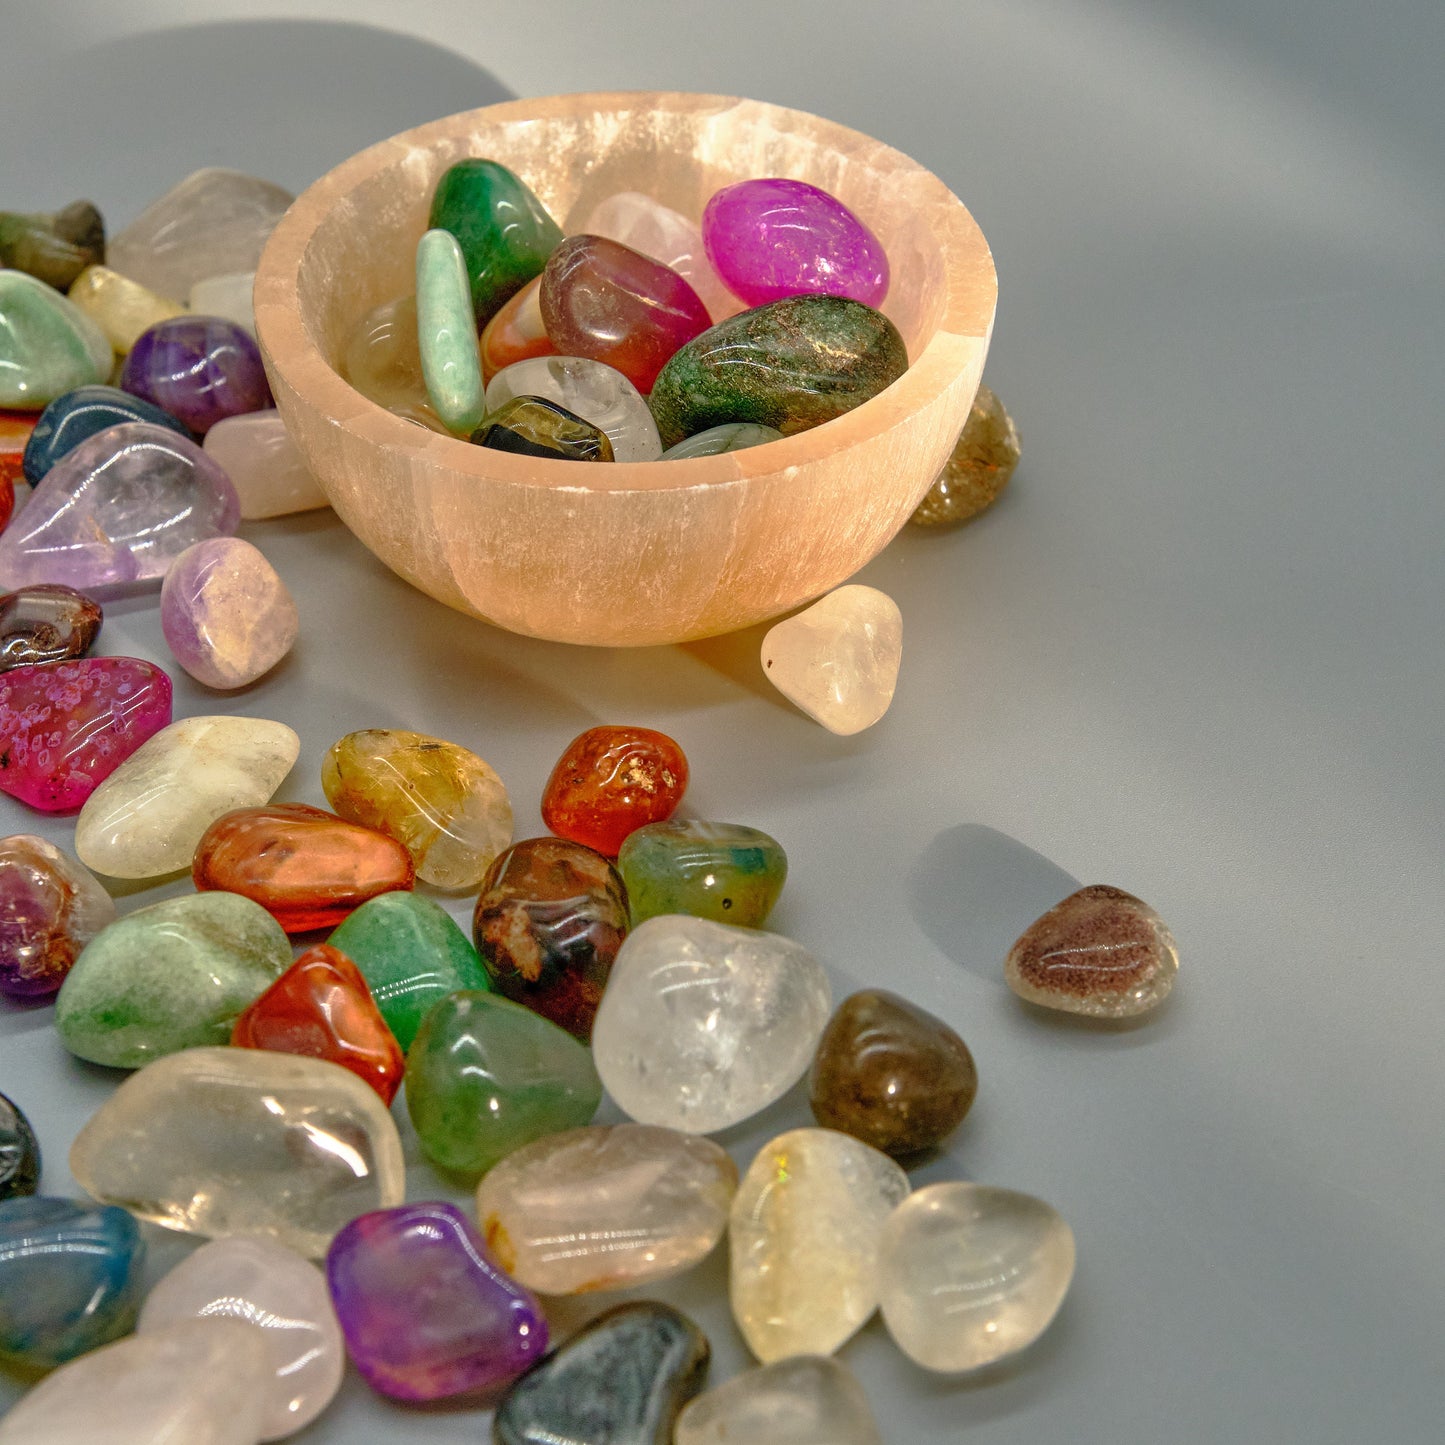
<point x="275" y="1289"/>
<point x="838" y="659"/>
<point x="220" y="1141"/>
<point x="590" y="389"/>
<point x="803" y="1241"/>
<point x="605" y="1207"/>
<point x="268" y="472"/>
<point x="213" y="223"/>
<point x="703" y="1025"/>
<point x="228" y="296"/>
<point x="197" y="1383"/>
<point x="664" y="234"/>
<point x="969" y="1274"/>
<point x="806" y="1400"/>
<point x="146" y="818"/>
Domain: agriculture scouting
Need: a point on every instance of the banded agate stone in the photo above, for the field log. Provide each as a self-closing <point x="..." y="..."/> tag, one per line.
<point x="516" y="333"/>
<point x="589" y="389"/>
<point x="201" y="369"/>
<point x="723" y="871"/>
<point x="803" y="1400"/>
<point x="19" y="1152"/>
<point x="533" y="426"/>
<point x="54" y="248"/>
<point x="51" y="906"/>
<point x="122" y="308"/>
<point x="48" y="345"/>
<point x="79" y="415"/>
<point x="265" y="466"/>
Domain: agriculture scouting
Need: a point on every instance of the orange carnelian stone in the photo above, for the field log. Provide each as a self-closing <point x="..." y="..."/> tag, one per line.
<point x="306" y="867"/>
<point x="610" y="782"/>
<point x="322" y="1008"/>
<point x="516" y="332"/>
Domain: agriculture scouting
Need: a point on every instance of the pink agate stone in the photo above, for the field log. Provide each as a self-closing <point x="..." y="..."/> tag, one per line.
<point x="773" y="238"/>
<point x="66" y="726"/>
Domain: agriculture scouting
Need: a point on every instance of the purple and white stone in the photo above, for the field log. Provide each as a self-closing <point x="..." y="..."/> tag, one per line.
<point x="199" y="368"/>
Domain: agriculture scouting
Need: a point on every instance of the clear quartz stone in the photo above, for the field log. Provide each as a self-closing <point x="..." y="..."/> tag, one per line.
<point x="805" y="1400"/>
<point x="590" y="389"/>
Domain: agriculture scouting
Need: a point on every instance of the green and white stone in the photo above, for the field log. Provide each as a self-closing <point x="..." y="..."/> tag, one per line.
<point x="451" y="358"/>
<point x="48" y="345"/>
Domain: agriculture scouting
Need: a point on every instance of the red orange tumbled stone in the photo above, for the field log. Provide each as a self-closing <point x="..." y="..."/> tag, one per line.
<point x="516" y="332"/>
<point x="321" y="1008"/>
<point x="305" y="866"/>
<point x="611" y="781"/>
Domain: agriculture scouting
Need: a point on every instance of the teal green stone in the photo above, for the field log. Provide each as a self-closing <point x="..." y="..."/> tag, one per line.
<point x="486" y="1075"/>
<point x="411" y="954"/>
<point x="505" y="232"/>
<point x="723" y="871"/>
<point x="792" y="364"/>
<point x="172" y="976"/>
<point x="451" y="358"/>
<point x="48" y="345"/>
<point x="733" y="436"/>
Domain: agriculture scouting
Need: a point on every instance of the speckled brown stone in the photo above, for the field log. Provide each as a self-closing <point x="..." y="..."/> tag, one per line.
<point x="978" y="469"/>
<point x="891" y="1074"/>
<point x="1100" y="952"/>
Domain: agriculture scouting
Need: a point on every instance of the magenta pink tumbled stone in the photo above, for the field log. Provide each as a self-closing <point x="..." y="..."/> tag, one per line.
<point x="773" y="238"/>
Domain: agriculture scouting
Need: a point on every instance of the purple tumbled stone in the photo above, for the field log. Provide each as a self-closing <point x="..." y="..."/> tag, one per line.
<point x="425" y="1313"/>
<point x="201" y="369"/>
<point x="118" y="510"/>
<point x="51" y="906"/>
<point x="773" y="238"/>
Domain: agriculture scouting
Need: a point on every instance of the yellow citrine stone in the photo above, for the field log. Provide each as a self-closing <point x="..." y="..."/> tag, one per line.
<point x="122" y="308"/>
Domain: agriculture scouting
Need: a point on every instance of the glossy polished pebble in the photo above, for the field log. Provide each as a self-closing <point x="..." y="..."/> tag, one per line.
<point x="606" y="1207"/>
<point x="969" y="1274"/>
<point x="118" y="510"/>
<point x="147" y="817"/>
<point x="610" y="781"/>
<point x="201" y="1382"/>
<point x="771" y="238"/>
<point x="451" y="362"/>
<point x="19" y="1152"/>
<point x="703" y="1026"/>
<point x="53" y="247"/>
<point x="46" y="623"/>
<point x="838" y="660"/>
<point x="606" y="301"/>
<point x="440" y="801"/>
<point x="792" y="365"/>
<point x="516" y="333"/>
<point x="485" y="1076"/>
<point x="426" y="1315"/>
<point x="79" y="415"/>
<point x="168" y="977"/>
<point x="122" y="308"/>
<point x="68" y="726"/>
<point x="51" y="906"/>
<point x="48" y="345"/>
<point x="201" y="369"/>
<point x="723" y="871"/>
<point x="382" y="360"/>
<point x="228" y="296"/>
<point x="70" y="1278"/>
<point x="1101" y="952"/>
<point x="505" y="232"/>
<point x="590" y="389"/>
<point x="803" y="1241"/>
<point x="891" y="1074"/>
<point x="243" y="1141"/>
<point x="978" y="468"/>
<point x="621" y="1379"/>
<point x="276" y="1291"/>
<point x="532" y="426"/>
<point x="548" y="922"/>
<point x="227" y="617"/>
<point x="733" y="436"/>
<point x="412" y="955"/>
<point x="215" y="221"/>
<point x="268" y="472"/>
<point x="805" y="1400"/>
<point x="16" y="428"/>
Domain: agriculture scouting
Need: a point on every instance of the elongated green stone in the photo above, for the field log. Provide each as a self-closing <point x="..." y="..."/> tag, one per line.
<point x="411" y="954"/>
<point x="505" y="232"/>
<point x="486" y="1075"/>
<point x="723" y="871"/>
<point x="451" y="358"/>
<point x="48" y="345"/>
<point x="792" y="364"/>
<point x="172" y="976"/>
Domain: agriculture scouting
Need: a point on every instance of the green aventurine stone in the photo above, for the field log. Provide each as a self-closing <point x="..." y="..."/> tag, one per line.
<point x="451" y="359"/>
<point x="505" y="231"/>
<point x="792" y="364"/>
<point x="487" y="1075"/>
<point x="723" y="871"/>
<point x="411" y="954"/>
<point x="172" y="976"/>
<point x="53" y="248"/>
<point x="48" y="345"/>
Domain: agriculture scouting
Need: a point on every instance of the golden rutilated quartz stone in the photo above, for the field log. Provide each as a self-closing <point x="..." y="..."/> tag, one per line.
<point x="982" y="461"/>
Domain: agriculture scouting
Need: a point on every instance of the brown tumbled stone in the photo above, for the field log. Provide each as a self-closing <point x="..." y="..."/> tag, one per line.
<point x="1100" y="952"/>
<point x="891" y="1074"/>
<point x="977" y="470"/>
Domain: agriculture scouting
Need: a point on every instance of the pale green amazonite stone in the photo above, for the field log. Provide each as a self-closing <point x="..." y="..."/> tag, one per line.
<point x="451" y="358"/>
<point x="169" y="977"/>
<point x="48" y="345"/>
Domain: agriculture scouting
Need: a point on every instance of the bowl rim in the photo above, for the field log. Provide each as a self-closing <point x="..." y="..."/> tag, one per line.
<point x="970" y="282"/>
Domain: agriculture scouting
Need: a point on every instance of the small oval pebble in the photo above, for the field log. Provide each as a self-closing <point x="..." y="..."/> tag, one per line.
<point x="978" y="468"/>
<point x="54" y="247"/>
<point x="723" y="871"/>
<point x="51" y="906"/>
<point x="81" y="414"/>
<point x="733" y="436"/>
<point x="534" y="426"/>
<point x="592" y="390"/>
<point x="19" y="1152"/>
<point x="46" y="623"/>
<point x="265" y="466"/>
<point x="451" y="361"/>
<point x="199" y="368"/>
<point x="805" y="1400"/>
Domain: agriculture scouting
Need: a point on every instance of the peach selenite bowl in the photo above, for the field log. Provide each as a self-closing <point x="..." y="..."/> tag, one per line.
<point x="627" y="553"/>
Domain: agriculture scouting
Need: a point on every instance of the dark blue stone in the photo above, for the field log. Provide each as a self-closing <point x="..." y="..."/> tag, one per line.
<point x="620" y="1380"/>
<point x="79" y="414"/>
<point x="19" y="1152"/>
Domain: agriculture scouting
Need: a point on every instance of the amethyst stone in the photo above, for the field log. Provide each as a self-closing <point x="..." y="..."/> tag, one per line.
<point x="201" y="369"/>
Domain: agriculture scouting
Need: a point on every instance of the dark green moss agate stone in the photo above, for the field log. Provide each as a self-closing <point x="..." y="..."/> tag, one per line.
<point x="792" y="364"/>
<point x="620" y="1381"/>
<point x="19" y="1153"/>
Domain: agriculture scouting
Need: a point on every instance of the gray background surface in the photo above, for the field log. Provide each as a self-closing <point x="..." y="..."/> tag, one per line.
<point x="1194" y="652"/>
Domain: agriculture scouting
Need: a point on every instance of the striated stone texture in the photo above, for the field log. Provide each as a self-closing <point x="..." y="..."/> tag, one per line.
<point x="723" y="871"/>
<point x="1101" y="952"/>
<point x="805" y="1400"/>
<point x="122" y="308"/>
<point x="978" y="469"/>
<point x="46" y="623"/>
<point x="51" y="906"/>
<point x="201" y="369"/>
<point x="48" y="345"/>
<point x="242" y="1141"/>
<point x="606" y="1207"/>
<point x="19" y="1152"/>
<point x="516" y="333"/>
<point x="81" y="414"/>
<point x="590" y="389"/>
<point x="53" y="247"/>
<point x="265" y="467"/>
